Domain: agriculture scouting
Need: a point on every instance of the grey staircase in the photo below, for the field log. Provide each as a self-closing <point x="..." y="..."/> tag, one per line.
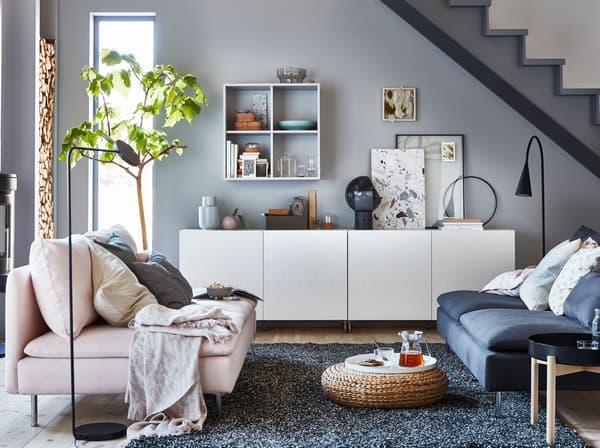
<point x="497" y="58"/>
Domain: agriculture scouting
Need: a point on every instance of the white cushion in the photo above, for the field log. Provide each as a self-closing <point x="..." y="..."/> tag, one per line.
<point x="49" y="264"/>
<point x="582" y="262"/>
<point x="104" y="234"/>
<point x="118" y="295"/>
<point x="535" y="289"/>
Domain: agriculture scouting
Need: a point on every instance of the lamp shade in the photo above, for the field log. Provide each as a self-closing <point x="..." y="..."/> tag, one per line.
<point x="524" y="186"/>
<point x="127" y="153"/>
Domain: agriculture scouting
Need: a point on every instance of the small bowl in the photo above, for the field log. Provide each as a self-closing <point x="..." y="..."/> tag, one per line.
<point x="218" y="293"/>
<point x="291" y="74"/>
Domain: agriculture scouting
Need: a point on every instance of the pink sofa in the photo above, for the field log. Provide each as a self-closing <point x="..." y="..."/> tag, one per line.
<point x="37" y="360"/>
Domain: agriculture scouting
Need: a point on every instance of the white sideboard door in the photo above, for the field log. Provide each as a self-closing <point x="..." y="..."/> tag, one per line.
<point x="468" y="259"/>
<point x="231" y="257"/>
<point x="305" y="274"/>
<point x="389" y="275"/>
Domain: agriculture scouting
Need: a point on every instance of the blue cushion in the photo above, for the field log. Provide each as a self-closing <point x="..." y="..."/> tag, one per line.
<point x="457" y="303"/>
<point x="509" y="330"/>
<point x="582" y="233"/>
<point x="584" y="297"/>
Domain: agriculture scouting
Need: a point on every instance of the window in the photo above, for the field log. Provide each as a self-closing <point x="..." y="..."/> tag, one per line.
<point x="114" y="192"/>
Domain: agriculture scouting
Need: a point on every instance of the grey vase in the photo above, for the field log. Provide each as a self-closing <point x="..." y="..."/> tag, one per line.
<point x="208" y="213"/>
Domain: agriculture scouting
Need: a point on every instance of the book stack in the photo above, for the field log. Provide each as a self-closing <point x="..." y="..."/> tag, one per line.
<point x="259" y="167"/>
<point x="231" y="158"/>
<point x="460" y="224"/>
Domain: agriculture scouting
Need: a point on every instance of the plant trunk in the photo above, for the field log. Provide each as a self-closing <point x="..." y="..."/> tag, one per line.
<point x="140" y="198"/>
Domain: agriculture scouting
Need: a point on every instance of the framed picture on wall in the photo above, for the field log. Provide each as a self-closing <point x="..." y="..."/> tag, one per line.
<point x="399" y="104"/>
<point x="444" y="160"/>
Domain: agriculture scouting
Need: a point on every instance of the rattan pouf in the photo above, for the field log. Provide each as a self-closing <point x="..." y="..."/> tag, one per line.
<point x="376" y="390"/>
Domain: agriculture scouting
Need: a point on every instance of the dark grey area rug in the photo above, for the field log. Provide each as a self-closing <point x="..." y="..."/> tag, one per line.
<point x="278" y="402"/>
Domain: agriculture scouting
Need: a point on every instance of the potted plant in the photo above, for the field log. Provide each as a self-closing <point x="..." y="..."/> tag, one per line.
<point x="163" y="91"/>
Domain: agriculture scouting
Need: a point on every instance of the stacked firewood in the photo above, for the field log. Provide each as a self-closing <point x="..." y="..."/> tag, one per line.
<point x="46" y="129"/>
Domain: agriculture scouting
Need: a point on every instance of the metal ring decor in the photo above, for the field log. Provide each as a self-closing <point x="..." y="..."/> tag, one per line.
<point x="452" y="185"/>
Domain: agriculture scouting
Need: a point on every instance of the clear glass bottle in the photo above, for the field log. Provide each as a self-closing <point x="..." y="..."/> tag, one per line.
<point x="410" y="353"/>
<point x="595" y="326"/>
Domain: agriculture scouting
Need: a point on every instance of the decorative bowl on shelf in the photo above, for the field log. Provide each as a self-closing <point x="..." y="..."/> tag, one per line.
<point x="291" y="74"/>
<point x="297" y="125"/>
<point x="219" y="292"/>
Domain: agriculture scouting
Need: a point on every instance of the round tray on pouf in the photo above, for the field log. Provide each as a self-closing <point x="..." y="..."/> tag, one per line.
<point x="409" y="390"/>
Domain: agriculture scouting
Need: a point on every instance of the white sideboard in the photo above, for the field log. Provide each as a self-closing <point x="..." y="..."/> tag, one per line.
<point x="228" y="257"/>
<point x="389" y="275"/>
<point x="305" y="275"/>
<point x="346" y="274"/>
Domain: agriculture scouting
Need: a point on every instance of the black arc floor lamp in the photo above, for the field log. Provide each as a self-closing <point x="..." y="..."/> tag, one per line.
<point x="104" y="430"/>
<point x="524" y="187"/>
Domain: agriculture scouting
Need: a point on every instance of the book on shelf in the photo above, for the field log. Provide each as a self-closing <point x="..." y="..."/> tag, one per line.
<point x="250" y="155"/>
<point x="460" y="224"/>
<point x="228" y="158"/>
<point x="234" y="158"/>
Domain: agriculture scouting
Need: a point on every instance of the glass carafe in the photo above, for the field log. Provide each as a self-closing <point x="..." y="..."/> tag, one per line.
<point x="411" y="354"/>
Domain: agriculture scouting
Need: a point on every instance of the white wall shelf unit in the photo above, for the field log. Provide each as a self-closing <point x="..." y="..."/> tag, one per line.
<point x="346" y="274"/>
<point x="284" y="102"/>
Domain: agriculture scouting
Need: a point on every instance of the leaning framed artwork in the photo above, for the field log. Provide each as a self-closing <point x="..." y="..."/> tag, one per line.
<point x="399" y="104"/>
<point x="443" y="165"/>
<point x="398" y="178"/>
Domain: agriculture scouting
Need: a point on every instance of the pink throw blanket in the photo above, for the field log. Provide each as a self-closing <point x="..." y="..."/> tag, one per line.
<point x="163" y="387"/>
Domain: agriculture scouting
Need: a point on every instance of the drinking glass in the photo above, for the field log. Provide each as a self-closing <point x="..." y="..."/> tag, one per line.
<point x="311" y="166"/>
<point x="384" y="354"/>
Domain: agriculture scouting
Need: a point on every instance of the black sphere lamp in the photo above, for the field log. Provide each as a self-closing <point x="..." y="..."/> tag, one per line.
<point x="103" y="430"/>
<point x="524" y="187"/>
<point x="362" y="197"/>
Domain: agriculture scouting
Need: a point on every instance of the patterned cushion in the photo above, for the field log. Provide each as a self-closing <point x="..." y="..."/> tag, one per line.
<point x="582" y="262"/>
<point x="534" y="291"/>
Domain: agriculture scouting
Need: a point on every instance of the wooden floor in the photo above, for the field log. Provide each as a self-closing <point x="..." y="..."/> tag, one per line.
<point x="578" y="409"/>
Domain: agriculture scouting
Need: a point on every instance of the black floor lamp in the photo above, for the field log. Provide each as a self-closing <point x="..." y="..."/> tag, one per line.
<point x="90" y="431"/>
<point x="524" y="187"/>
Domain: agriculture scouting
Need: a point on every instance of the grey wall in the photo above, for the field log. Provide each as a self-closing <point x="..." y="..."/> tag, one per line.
<point x="20" y="30"/>
<point x="353" y="48"/>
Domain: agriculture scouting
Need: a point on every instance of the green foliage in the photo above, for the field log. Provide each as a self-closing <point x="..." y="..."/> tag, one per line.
<point x="164" y="91"/>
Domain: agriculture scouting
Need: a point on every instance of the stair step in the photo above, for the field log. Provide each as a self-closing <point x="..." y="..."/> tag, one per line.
<point x="469" y="3"/>
<point x="543" y="61"/>
<point x="574" y="90"/>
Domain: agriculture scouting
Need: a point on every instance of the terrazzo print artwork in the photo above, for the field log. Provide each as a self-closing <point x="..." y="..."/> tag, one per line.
<point x="399" y="178"/>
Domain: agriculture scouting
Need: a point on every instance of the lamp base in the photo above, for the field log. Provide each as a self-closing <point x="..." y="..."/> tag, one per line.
<point x="100" y="431"/>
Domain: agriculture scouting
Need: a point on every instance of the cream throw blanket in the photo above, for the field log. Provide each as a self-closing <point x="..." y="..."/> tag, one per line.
<point x="163" y="386"/>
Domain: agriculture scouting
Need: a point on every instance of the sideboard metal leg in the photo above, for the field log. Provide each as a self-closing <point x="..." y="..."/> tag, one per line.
<point x="34" y="411"/>
<point x="349" y="326"/>
<point x="219" y="401"/>
<point x="498" y="404"/>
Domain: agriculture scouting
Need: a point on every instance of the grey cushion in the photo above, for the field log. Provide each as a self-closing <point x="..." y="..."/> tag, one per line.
<point x="583" y="299"/>
<point x="509" y="330"/>
<point x="164" y="280"/>
<point x="457" y="303"/>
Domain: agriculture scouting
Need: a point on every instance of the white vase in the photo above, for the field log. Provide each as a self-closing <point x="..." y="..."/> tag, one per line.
<point x="208" y="213"/>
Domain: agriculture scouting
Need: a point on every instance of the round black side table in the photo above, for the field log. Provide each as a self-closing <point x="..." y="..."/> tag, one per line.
<point x="559" y="352"/>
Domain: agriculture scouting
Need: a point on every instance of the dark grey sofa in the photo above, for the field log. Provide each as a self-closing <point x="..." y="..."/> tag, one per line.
<point x="489" y="333"/>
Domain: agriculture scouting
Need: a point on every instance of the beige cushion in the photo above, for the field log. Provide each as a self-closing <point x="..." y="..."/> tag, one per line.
<point x="49" y="263"/>
<point x="95" y="341"/>
<point x="104" y="341"/>
<point x="582" y="262"/>
<point x="535" y="290"/>
<point x="118" y="295"/>
<point x="104" y="234"/>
